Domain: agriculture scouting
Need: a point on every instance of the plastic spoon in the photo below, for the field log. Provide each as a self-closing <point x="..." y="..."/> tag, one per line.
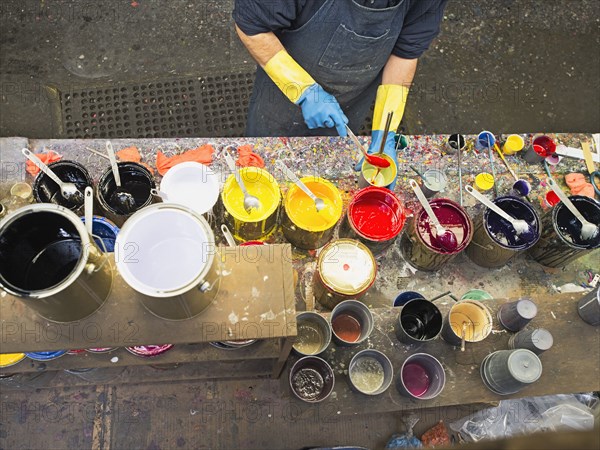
<point x="374" y="160"/>
<point x="88" y="209"/>
<point x="444" y="237"/>
<point x="319" y="203"/>
<point x="121" y="199"/>
<point x="228" y="236"/>
<point x="588" y="229"/>
<point x="519" y="225"/>
<point x="69" y="191"/>
<point x="250" y="201"/>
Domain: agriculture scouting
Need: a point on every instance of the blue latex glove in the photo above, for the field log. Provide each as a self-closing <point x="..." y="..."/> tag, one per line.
<point x="321" y="109"/>
<point x="389" y="149"/>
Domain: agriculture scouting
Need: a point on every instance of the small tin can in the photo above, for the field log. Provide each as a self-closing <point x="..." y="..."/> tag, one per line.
<point x="314" y="334"/>
<point x="422" y="377"/>
<point x="375" y="217"/>
<point x="10" y="359"/>
<point x="514" y="316"/>
<point x="508" y="371"/>
<point x="304" y="226"/>
<point x="351" y="323"/>
<point x="589" y="307"/>
<point x="346" y="269"/>
<point x="455" y="143"/>
<point x="47" y="191"/>
<point x="149" y="351"/>
<point x="418" y="244"/>
<point x="419" y="321"/>
<point x="374" y="176"/>
<point x="538" y="340"/>
<point x="45" y="356"/>
<point x="433" y="182"/>
<point x="104" y="233"/>
<point x="311" y="379"/>
<point x="100" y="350"/>
<point x="468" y="315"/>
<point x="370" y="372"/>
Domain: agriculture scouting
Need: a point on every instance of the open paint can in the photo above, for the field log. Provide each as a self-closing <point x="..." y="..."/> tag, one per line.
<point x="513" y="144"/>
<point x="433" y="182"/>
<point x="48" y="261"/>
<point x="476" y="294"/>
<point x="260" y="222"/>
<point x="45" y="356"/>
<point x="191" y="184"/>
<point x="351" y="323"/>
<point x="484" y="140"/>
<point x="422" y="377"/>
<point x="167" y="253"/>
<point x="588" y="307"/>
<point x="375" y="217"/>
<point x="312" y="379"/>
<point x="455" y="143"/>
<point x="149" y="351"/>
<point x="135" y="179"/>
<point x="10" y="359"/>
<point x="374" y="176"/>
<point x="47" y="191"/>
<point x="104" y="233"/>
<point x="419" y="245"/>
<point x="314" y="334"/>
<point x="346" y="269"/>
<point x="419" y="321"/>
<point x="560" y="242"/>
<point x="370" y="372"/>
<point x="302" y="224"/>
<point x="541" y="147"/>
<point x="508" y="371"/>
<point x="470" y="317"/>
<point x="404" y="297"/>
<point x="495" y="241"/>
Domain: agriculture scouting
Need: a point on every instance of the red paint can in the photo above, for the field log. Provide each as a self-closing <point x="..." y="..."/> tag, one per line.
<point x="375" y="217"/>
<point x="149" y="351"/>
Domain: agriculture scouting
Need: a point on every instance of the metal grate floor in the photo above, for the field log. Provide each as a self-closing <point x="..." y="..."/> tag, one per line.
<point x="211" y="106"/>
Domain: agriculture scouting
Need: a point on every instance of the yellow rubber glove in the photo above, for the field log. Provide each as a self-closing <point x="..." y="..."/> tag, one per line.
<point x="288" y="75"/>
<point x="390" y="97"/>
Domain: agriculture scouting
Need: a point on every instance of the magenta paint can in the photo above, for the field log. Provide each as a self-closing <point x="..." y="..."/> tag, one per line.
<point x="100" y="350"/>
<point x="149" y="351"/>
<point x="495" y="241"/>
<point x="418" y="244"/>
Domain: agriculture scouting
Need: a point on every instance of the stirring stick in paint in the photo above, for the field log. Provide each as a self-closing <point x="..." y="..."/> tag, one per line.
<point x="388" y="123"/>
<point x="462" y="336"/>
<point x="491" y="157"/>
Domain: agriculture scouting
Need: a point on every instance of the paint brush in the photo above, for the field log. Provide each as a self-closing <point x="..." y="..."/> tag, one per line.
<point x="491" y="157"/>
<point x="512" y="172"/>
<point x="388" y="123"/>
<point x="460" y="180"/>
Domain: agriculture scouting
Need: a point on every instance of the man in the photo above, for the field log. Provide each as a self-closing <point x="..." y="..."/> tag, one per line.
<point x="321" y="62"/>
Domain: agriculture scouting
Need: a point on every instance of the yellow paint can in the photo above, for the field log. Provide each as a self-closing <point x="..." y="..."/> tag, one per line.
<point x="303" y="225"/>
<point x="259" y="223"/>
<point x="10" y="359"/>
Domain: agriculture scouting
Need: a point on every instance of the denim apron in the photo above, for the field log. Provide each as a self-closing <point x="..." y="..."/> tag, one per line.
<point x="344" y="47"/>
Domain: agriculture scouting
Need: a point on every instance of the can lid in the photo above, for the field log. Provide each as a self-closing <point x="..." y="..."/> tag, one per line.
<point x="526" y="309"/>
<point x="347" y="266"/>
<point x="524" y="365"/>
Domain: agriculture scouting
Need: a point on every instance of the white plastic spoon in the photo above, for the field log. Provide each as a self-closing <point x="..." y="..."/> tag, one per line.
<point x="519" y="225"/>
<point x="588" y="229"/>
<point x="88" y="209"/>
<point x="319" y="202"/>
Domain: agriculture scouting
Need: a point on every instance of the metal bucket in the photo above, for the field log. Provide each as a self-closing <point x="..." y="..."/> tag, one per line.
<point x="260" y="223"/>
<point x="474" y="314"/>
<point x="514" y="316"/>
<point x="538" y="340"/>
<point x="136" y="179"/>
<point x="149" y="351"/>
<point x="495" y="241"/>
<point x="47" y="191"/>
<point x="375" y="217"/>
<point x="508" y="371"/>
<point x="560" y="242"/>
<point x="167" y="253"/>
<point x="589" y="307"/>
<point x="314" y="334"/>
<point x="422" y="377"/>
<point x="302" y="224"/>
<point x="419" y="321"/>
<point x="346" y="269"/>
<point x="48" y="261"/>
<point x="312" y="379"/>
<point x="373" y="176"/>
<point x="418" y="244"/>
<point x="370" y="372"/>
<point x="351" y="323"/>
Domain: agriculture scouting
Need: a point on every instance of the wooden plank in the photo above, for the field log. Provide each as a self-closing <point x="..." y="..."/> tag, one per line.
<point x="572" y="365"/>
<point x="255" y="301"/>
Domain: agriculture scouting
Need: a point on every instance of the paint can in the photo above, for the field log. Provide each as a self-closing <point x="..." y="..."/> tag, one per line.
<point x="455" y="142"/>
<point x="484" y="181"/>
<point x="402" y="141"/>
<point x="370" y="372"/>
<point x="232" y="345"/>
<point x="513" y="144"/>
<point x="508" y="371"/>
<point x="540" y="147"/>
<point x="419" y="321"/>
<point x="104" y="233"/>
<point x="422" y="377"/>
<point x="495" y="241"/>
<point x="373" y="176"/>
<point x="521" y="188"/>
<point x="418" y="244"/>
<point x="45" y="356"/>
<point x="10" y="359"/>
<point x="166" y="252"/>
<point x="538" y="340"/>
<point x="100" y="349"/>
<point x="346" y="269"/>
<point x="474" y="314"/>
<point x="589" y="308"/>
<point x="476" y="294"/>
<point x="302" y="224"/>
<point x="135" y="179"/>
<point x="550" y="201"/>
<point x="433" y="182"/>
<point x="311" y="379"/>
<point x="47" y="191"/>
<point x="404" y="297"/>
<point x="375" y="217"/>
<point x="514" y="316"/>
<point x="149" y="351"/>
<point x="261" y="222"/>
<point x="484" y="140"/>
<point x="314" y="334"/>
<point x="351" y="323"/>
<point x="560" y="242"/>
<point x="48" y="261"/>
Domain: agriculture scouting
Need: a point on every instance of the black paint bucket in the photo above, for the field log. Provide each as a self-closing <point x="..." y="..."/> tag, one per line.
<point x="419" y="321"/>
<point x="560" y="242"/>
<point x="135" y="179"/>
<point x="47" y="191"/>
<point x="48" y="261"/>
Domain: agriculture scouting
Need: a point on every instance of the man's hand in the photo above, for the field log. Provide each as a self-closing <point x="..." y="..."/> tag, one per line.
<point x="321" y="110"/>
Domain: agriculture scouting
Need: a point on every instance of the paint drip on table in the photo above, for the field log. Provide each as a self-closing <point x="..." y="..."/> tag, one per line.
<point x="367" y="375"/>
